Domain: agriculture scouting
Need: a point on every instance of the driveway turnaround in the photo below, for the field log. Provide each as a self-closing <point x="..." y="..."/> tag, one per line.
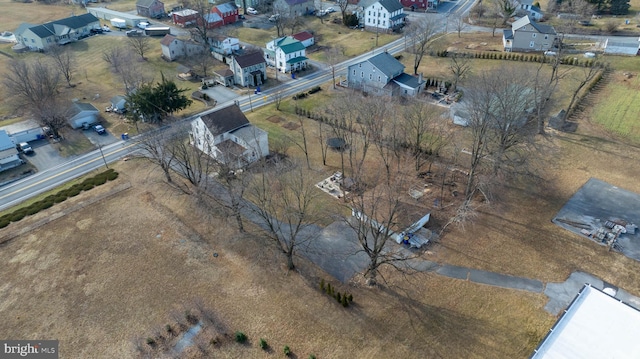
<point x="45" y="155"/>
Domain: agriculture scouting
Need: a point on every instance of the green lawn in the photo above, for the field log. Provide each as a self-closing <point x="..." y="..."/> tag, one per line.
<point x="618" y="107"/>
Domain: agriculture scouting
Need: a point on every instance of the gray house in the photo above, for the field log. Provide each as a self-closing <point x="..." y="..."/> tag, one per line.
<point x="9" y="157"/>
<point x="82" y="114"/>
<point x="249" y="69"/>
<point x="150" y="8"/>
<point x="527" y="35"/>
<point x="293" y="7"/>
<point x="383" y="75"/>
<point x="60" y="32"/>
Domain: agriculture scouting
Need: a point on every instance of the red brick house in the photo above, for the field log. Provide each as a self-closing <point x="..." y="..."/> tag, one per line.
<point x="212" y="20"/>
<point x="185" y="17"/>
<point x="228" y="12"/>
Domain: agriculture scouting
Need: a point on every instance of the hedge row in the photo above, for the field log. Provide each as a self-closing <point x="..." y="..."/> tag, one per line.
<point x="514" y="56"/>
<point x="49" y="201"/>
<point x="302" y="95"/>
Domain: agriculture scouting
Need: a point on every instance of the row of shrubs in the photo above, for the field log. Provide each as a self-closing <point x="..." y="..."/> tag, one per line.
<point x="344" y="299"/>
<point x="302" y="95"/>
<point x="49" y="201"/>
<point x="514" y="56"/>
<point x="242" y="338"/>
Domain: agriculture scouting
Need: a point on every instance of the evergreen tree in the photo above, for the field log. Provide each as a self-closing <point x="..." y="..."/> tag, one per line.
<point x="619" y="7"/>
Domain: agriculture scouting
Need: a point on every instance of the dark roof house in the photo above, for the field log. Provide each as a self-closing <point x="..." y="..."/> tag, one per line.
<point x="63" y="31"/>
<point x="225" y="120"/>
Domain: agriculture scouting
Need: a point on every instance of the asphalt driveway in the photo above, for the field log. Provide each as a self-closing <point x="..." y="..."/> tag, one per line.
<point x="96" y="139"/>
<point x="221" y="94"/>
<point x="44" y="155"/>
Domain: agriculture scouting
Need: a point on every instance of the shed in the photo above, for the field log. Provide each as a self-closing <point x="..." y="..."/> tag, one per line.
<point x="305" y="37"/>
<point x="621" y="48"/>
<point x="118" y="104"/>
<point x="81" y="113"/>
<point x="108" y="14"/>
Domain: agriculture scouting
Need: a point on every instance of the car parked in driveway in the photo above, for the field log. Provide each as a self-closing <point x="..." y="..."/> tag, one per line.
<point x="25" y="148"/>
<point x="252" y="11"/>
<point x="99" y="129"/>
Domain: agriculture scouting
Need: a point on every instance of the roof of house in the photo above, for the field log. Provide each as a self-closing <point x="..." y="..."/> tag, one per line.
<point x="284" y="41"/>
<point x="226" y="7"/>
<point x="230" y="149"/>
<point x="25" y="125"/>
<point x="77" y="107"/>
<point x="525" y="2"/>
<point x="301" y="36"/>
<point x="251" y="59"/>
<point x="185" y="12"/>
<point x="507" y="34"/>
<point x="146" y="3"/>
<point x="117" y="99"/>
<point x="296" y="2"/>
<point x="24" y="26"/>
<point x="595" y="325"/>
<point x="167" y="39"/>
<point x="292" y="47"/>
<point x="391" y="5"/>
<point x="5" y="141"/>
<point x="248" y="133"/>
<point x="212" y="17"/>
<point x="525" y="20"/>
<point x="225" y="120"/>
<point x="536" y="9"/>
<point x="386" y="63"/>
<point x="226" y="72"/>
<point x="49" y="29"/>
<point x="408" y="80"/>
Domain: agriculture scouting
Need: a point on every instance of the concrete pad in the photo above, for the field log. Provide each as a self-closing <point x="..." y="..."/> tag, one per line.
<point x="453" y="272"/>
<point x="596" y="202"/>
<point x="505" y="281"/>
<point x="561" y="294"/>
<point x="220" y="93"/>
<point x="45" y="155"/>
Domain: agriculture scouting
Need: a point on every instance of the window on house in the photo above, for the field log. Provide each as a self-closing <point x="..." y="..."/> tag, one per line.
<point x="361" y="74"/>
<point x="546" y="37"/>
<point x="378" y="78"/>
<point x="533" y="35"/>
<point x="532" y="44"/>
<point x="384" y="23"/>
<point x="354" y="72"/>
<point x="370" y="76"/>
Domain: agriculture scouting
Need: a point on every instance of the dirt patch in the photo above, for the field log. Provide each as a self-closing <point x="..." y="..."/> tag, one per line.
<point x="275" y="119"/>
<point x="291" y="126"/>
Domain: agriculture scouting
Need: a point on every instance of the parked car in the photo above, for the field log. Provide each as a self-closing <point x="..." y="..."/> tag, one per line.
<point x="99" y="129"/>
<point x="330" y="9"/>
<point x="106" y="28"/>
<point x="97" y="31"/>
<point x="274" y="17"/>
<point x="143" y="25"/>
<point x="134" y="33"/>
<point x="25" y="148"/>
<point x="252" y="11"/>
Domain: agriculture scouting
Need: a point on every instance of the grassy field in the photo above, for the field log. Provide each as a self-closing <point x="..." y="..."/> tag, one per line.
<point x="617" y="106"/>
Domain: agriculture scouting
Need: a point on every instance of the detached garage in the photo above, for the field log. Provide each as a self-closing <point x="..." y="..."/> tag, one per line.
<point x="82" y="114"/>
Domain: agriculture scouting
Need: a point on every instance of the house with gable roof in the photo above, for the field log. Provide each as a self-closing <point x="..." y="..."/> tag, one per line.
<point x="528" y="35"/>
<point x="174" y="48"/>
<point x="294" y="8"/>
<point x="382" y="15"/>
<point x="9" y="157"/>
<point x="228" y="137"/>
<point x="58" y="32"/>
<point x="249" y="69"/>
<point x="227" y="11"/>
<point x="212" y="20"/>
<point x="286" y="54"/>
<point x="526" y="7"/>
<point x="383" y="75"/>
<point x="150" y="8"/>
<point x="305" y="37"/>
<point x="82" y="114"/>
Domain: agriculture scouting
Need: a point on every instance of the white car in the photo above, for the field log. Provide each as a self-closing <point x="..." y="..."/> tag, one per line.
<point x="330" y="9"/>
<point x="252" y="11"/>
<point x="143" y="25"/>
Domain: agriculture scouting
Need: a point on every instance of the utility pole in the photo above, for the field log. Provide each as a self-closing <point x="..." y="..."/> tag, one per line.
<point x="102" y="153"/>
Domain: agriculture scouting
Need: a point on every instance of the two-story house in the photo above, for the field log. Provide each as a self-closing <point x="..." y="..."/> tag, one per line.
<point x="293" y="8"/>
<point x="211" y="21"/>
<point x="528" y="35"/>
<point x="58" y="32"/>
<point x="223" y="45"/>
<point x="249" y="69"/>
<point x="383" y="75"/>
<point x="286" y="54"/>
<point x="305" y="37"/>
<point x="228" y="12"/>
<point x="150" y="8"/>
<point x="173" y="47"/>
<point x="228" y="137"/>
<point x="382" y="15"/>
<point x="424" y="5"/>
<point x="184" y="18"/>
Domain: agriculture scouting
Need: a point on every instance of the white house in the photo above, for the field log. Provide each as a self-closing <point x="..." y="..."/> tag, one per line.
<point x="228" y="137"/>
<point x="286" y="54"/>
<point x="223" y="45"/>
<point x="382" y="15"/>
<point x="173" y="48"/>
<point x="63" y="31"/>
<point x="9" y="157"/>
<point x="305" y="37"/>
<point x="81" y="113"/>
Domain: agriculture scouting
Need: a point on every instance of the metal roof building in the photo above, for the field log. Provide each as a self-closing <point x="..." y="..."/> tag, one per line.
<point x="108" y="14"/>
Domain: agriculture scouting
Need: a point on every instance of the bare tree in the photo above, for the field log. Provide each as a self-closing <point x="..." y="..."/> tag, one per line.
<point x="154" y="146"/>
<point x="458" y="23"/>
<point x="235" y="184"/>
<point x="335" y="55"/>
<point x="302" y="145"/>
<point x="424" y="132"/>
<point x="140" y="45"/>
<point x="281" y="17"/>
<point x="34" y="85"/>
<point x="506" y="8"/>
<point x="115" y="57"/>
<point x="122" y="62"/>
<point x="323" y="141"/>
<point x="277" y="97"/>
<point x="343" y="5"/>
<point x="459" y="67"/>
<point x="422" y="31"/>
<point x="284" y="200"/>
<point x="65" y="60"/>
<point x="375" y="214"/>
<point x="199" y="29"/>
<point x="292" y="22"/>
<point x="203" y="62"/>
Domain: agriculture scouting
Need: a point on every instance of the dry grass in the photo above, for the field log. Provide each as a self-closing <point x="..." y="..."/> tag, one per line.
<point x="100" y="277"/>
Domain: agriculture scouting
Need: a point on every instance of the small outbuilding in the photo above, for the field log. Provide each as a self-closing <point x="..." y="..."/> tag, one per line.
<point x="82" y="114"/>
<point x="118" y="104"/>
<point x="631" y="48"/>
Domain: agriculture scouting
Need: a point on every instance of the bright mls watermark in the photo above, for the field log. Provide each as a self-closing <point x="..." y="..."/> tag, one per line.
<point x="37" y="349"/>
